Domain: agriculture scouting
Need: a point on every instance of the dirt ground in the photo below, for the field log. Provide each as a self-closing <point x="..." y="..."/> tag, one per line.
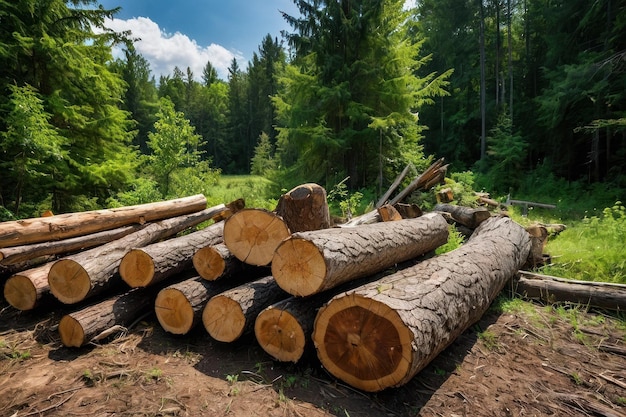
<point x="529" y="361"/>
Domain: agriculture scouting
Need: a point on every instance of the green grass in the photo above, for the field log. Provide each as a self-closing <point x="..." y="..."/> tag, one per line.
<point x="258" y="192"/>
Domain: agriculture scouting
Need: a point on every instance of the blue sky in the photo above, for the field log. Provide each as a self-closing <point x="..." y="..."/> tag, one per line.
<point x="188" y="33"/>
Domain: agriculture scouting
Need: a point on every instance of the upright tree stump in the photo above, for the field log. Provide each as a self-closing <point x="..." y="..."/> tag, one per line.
<point x="304" y="208"/>
<point x="381" y="334"/>
<point x="310" y="262"/>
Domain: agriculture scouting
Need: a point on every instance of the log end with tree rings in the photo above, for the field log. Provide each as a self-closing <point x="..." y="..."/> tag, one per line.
<point x="252" y="235"/>
<point x="223" y="319"/>
<point x="71" y="332"/>
<point x="298" y="267"/>
<point x="20" y="292"/>
<point x="280" y="335"/>
<point x="137" y="268"/>
<point x="363" y="342"/>
<point x="69" y="281"/>
<point x="174" y="311"/>
<point x="209" y="263"/>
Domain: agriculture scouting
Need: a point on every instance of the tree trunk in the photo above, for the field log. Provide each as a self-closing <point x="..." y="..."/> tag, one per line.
<point x="231" y="314"/>
<point x="379" y="335"/>
<point x="18" y="254"/>
<point x="156" y="262"/>
<point x="304" y="208"/>
<point x="216" y="261"/>
<point x="78" y="277"/>
<point x="62" y="226"/>
<point x="252" y="235"/>
<point x="91" y="323"/>
<point x="179" y="307"/>
<point x="310" y="262"/>
<point x="466" y="216"/>
<point x="384" y="213"/>
<point x="552" y="289"/>
<point x="25" y="289"/>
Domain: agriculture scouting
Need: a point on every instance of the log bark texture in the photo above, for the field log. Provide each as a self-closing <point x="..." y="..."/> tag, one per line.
<point x="310" y="262"/>
<point x="62" y="226"/>
<point x="85" y="274"/>
<point x="90" y="323"/>
<point x="148" y="265"/>
<point x="304" y="208"/>
<point x="466" y="216"/>
<point x="216" y="261"/>
<point x="231" y="314"/>
<point x="179" y="307"/>
<point x="381" y="334"/>
<point x="384" y="213"/>
<point x="252" y="235"/>
<point x="18" y="254"/>
<point x="553" y="290"/>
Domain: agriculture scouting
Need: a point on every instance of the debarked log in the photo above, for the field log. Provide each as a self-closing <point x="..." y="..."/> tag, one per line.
<point x="62" y="226"/>
<point x="381" y="334"/>
<point x="231" y="314"/>
<point x="310" y="262"/>
<point x="605" y="295"/>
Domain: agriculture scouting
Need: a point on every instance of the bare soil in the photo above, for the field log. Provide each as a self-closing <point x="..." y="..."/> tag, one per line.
<point x="529" y="361"/>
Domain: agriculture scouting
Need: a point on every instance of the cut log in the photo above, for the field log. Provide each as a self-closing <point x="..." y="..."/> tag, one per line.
<point x="445" y="195"/>
<point x="148" y="265"/>
<point x="304" y="208"/>
<point x="231" y="314"/>
<point x="25" y="289"/>
<point x="538" y="238"/>
<point x="18" y="254"/>
<point x="465" y="216"/>
<point x="252" y="235"/>
<point x="216" y="261"/>
<point x="310" y="262"/>
<point x="179" y="307"/>
<point x="62" y="226"/>
<point x="88" y="324"/>
<point x="384" y="213"/>
<point x="381" y="334"/>
<point x="408" y="211"/>
<point x="553" y="289"/>
<point x="85" y="274"/>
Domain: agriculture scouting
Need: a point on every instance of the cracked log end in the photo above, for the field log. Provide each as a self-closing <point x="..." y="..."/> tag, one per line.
<point x="298" y="267"/>
<point x="69" y="282"/>
<point x="280" y="335"/>
<point x="71" y="332"/>
<point x="209" y="263"/>
<point x="252" y="235"/>
<point x="137" y="268"/>
<point x="174" y="311"/>
<point x="20" y="292"/>
<point x="363" y="342"/>
<point x="224" y="319"/>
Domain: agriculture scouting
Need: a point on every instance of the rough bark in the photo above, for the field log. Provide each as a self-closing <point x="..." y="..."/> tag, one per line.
<point x="252" y="235"/>
<point x="142" y="267"/>
<point x="231" y="314"/>
<point x="85" y="274"/>
<point x="381" y="334"/>
<point x="179" y="307"/>
<point x="466" y="216"/>
<point x="310" y="262"/>
<point x="18" y="254"/>
<point x="304" y="208"/>
<point x="552" y="290"/>
<point x="216" y="261"/>
<point x="25" y="289"/>
<point x="93" y="322"/>
<point x="62" y="226"/>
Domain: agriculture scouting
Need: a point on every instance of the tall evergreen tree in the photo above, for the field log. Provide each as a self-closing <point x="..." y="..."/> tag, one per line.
<point x="241" y="144"/>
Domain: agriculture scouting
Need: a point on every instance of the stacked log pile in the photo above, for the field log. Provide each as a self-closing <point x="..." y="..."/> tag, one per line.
<point x="369" y="297"/>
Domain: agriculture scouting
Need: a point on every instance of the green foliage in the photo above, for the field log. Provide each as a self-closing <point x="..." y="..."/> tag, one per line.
<point x="349" y="204"/>
<point x="592" y="249"/>
<point x="257" y="191"/>
<point x="263" y="161"/>
<point x="455" y="240"/>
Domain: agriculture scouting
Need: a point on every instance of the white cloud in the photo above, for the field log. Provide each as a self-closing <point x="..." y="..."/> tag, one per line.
<point x="165" y="51"/>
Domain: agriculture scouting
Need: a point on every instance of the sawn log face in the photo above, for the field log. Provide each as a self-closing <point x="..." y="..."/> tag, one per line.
<point x="381" y="334"/>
